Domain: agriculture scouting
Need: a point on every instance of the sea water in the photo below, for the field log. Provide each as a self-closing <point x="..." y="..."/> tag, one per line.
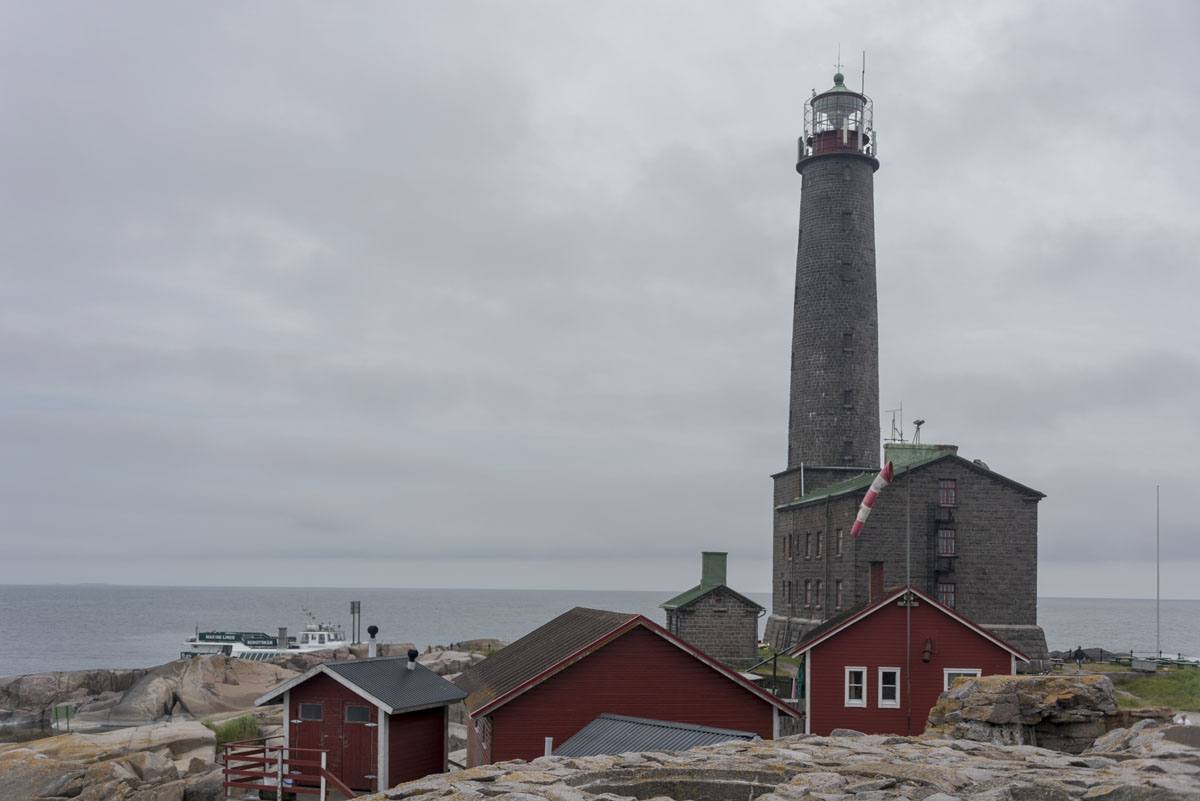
<point x="75" y="627"/>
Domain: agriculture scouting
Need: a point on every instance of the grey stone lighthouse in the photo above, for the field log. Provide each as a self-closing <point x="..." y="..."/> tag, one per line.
<point x="964" y="533"/>
<point x="833" y="427"/>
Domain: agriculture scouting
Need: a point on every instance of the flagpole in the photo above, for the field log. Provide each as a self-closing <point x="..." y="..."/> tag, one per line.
<point x="1157" y="578"/>
<point x="908" y="596"/>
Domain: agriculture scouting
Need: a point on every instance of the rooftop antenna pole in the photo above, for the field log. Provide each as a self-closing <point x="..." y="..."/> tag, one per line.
<point x="1157" y="576"/>
<point x="908" y="596"/>
<point x="863" y="91"/>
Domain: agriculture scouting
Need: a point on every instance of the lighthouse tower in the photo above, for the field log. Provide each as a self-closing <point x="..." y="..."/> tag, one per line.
<point x="833" y="428"/>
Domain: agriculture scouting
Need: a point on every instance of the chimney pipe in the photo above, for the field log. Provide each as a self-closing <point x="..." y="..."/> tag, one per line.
<point x="413" y="653"/>
<point x="372" y="646"/>
<point x="712" y="568"/>
<point x="281" y="640"/>
<point x="549" y="746"/>
<point x="876" y="581"/>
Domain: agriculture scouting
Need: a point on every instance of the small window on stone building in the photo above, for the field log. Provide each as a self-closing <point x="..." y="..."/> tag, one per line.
<point x="848" y="450"/>
<point x="808" y="592"/>
<point x="946" y="544"/>
<point x="839" y="542"/>
<point x="808" y="545"/>
<point x="946" y="593"/>
<point x="838" y="598"/>
<point x="848" y="398"/>
<point x="310" y="712"/>
<point x="820" y="594"/>
<point x="947" y="492"/>
<point x="787" y="547"/>
<point x="820" y="544"/>
<point x="848" y="341"/>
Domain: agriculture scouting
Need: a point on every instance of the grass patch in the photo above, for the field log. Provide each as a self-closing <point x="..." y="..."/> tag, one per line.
<point x="1178" y="689"/>
<point x="244" y="727"/>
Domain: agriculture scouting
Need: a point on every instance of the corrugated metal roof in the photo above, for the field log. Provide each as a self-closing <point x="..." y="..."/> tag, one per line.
<point x="536" y="652"/>
<point x="618" y="734"/>
<point x="389" y="679"/>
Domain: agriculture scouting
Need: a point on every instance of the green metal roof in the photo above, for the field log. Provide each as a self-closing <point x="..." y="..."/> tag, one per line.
<point x="698" y="592"/>
<point x="859" y="483"/>
<point x="839" y="83"/>
<point x="915" y="458"/>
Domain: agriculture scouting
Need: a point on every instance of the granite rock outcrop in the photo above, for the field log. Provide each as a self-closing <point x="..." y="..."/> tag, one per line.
<point x="812" y="768"/>
<point x="1064" y="713"/>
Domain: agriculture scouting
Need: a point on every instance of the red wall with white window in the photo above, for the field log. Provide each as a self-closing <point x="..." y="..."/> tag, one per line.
<point x="878" y="641"/>
<point x="638" y="674"/>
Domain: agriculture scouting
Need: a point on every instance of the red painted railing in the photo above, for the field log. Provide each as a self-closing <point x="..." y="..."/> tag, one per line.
<point x="261" y="764"/>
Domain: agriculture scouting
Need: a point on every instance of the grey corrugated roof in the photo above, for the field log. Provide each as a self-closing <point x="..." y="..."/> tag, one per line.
<point x="389" y="679"/>
<point x="618" y="734"/>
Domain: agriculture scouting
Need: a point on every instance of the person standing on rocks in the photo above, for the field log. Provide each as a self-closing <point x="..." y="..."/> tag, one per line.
<point x="1078" y="657"/>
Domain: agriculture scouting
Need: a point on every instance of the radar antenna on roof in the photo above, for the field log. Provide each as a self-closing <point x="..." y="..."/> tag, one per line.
<point x="917" y="433"/>
<point x="897" y="434"/>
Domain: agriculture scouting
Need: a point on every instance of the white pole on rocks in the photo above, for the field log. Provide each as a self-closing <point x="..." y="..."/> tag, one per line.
<point x="1157" y="578"/>
<point x="549" y="746"/>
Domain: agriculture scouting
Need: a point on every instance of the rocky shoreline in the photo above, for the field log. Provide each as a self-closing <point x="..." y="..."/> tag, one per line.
<point x="986" y="741"/>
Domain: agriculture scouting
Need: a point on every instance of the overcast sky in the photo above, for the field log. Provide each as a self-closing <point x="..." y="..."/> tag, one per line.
<point x="462" y="295"/>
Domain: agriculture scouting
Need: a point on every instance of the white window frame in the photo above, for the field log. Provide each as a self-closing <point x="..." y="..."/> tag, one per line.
<point x="861" y="702"/>
<point x="884" y="704"/>
<point x="976" y="672"/>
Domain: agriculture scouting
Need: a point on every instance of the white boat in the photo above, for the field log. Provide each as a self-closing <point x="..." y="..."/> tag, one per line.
<point x="259" y="646"/>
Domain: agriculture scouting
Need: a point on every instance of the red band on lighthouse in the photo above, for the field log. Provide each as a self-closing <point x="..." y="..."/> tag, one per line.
<point x="882" y="480"/>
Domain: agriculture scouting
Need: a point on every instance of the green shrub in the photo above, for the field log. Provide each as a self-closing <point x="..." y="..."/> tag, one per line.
<point x="243" y="727"/>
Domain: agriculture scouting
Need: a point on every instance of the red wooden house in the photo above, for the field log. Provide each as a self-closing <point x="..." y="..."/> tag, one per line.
<point x="586" y="662"/>
<point x="859" y="674"/>
<point x="381" y="721"/>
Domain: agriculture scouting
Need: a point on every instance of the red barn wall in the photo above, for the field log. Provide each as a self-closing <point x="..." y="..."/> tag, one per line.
<point x="638" y="674"/>
<point x="878" y="641"/>
<point x="416" y="744"/>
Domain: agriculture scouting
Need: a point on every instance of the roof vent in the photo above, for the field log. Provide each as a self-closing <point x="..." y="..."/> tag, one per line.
<point x="413" y="653"/>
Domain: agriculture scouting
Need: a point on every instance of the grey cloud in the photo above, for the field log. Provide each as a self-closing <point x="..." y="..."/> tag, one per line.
<point x="460" y="283"/>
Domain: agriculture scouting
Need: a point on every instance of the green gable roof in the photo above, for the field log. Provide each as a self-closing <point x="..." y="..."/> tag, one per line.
<point x="698" y="592"/>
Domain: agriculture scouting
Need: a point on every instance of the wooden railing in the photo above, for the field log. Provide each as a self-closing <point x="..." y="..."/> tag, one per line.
<point x="261" y="764"/>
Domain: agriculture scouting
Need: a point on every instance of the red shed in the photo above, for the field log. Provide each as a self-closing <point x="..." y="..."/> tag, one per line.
<point x="859" y="675"/>
<point x="587" y="662"/>
<point x="382" y="721"/>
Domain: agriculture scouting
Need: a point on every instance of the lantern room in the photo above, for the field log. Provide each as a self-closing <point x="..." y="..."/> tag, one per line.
<point x="838" y="121"/>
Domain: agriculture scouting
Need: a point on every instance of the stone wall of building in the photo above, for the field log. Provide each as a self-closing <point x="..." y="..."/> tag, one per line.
<point x="834" y="410"/>
<point x="721" y="625"/>
<point x="994" y="571"/>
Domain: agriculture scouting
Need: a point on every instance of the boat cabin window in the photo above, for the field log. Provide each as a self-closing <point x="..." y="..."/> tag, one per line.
<point x="358" y="714"/>
<point x="310" y="712"/>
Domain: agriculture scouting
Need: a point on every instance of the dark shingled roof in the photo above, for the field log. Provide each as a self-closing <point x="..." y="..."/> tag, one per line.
<point x="386" y="679"/>
<point x="618" y="734"/>
<point x="537" y="652"/>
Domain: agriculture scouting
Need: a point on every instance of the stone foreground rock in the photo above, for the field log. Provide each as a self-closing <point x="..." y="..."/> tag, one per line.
<point x="164" y="762"/>
<point x="1065" y="713"/>
<point x="810" y="768"/>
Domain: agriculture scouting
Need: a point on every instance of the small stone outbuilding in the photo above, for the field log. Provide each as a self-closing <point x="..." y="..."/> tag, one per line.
<point x="719" y="621"/>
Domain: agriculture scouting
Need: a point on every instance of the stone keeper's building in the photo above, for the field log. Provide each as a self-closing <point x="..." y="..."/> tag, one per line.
<point x="973" y="531"/>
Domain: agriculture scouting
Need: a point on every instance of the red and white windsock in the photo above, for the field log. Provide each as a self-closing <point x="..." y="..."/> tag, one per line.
<point x="882" y="480"/>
